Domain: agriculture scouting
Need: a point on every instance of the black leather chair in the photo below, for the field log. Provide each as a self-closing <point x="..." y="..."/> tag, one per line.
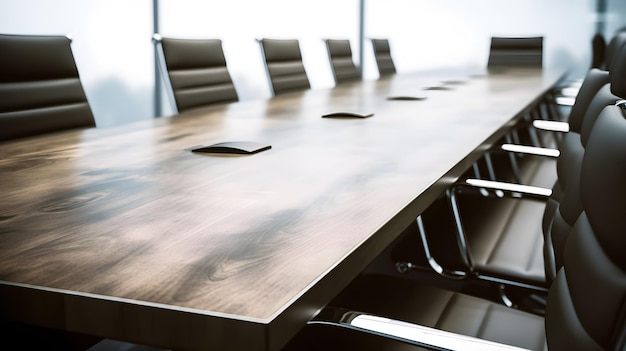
<point x="508" y="245"/>
<point x="522" y="52"/>
<point x="40" y="88"/>
<point x="382" y="54"/>
<point x="341" y="63"/>
<point x="592" y="82"/>
<point x="515" y="51"/>
<point x="284" y="66"/>
<point x="613" y="48"/>
<point x="196" y="71"/>
<point x="603" y="56"/>
<point x="566" y="93"/>
<point x="598" y="51"/>
<point x="585" y="306"/>
<point x="512" y="243"/>
<point x="561" y="210"/>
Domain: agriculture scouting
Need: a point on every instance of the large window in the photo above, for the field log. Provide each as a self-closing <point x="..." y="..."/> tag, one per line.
<point x="239" y="23"/>
<point x="614" y="18"/>
<point x="114" y="52"/>
<point x="429" y="34"/>
<point x="111" y="45"/>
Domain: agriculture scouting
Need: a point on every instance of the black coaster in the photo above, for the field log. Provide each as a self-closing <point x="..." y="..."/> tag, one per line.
<point x="347" y="114"/>
<point x="233" y="147"/>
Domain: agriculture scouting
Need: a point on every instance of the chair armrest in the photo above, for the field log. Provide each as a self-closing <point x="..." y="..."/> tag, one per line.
<point x="552" y="126"/>
<point x="416" y="334"/>
<point x="485" y="188"/>
<point x="565" y="100"/>
<point x="426" y="335"/>
<point x="516" y="190"/>
<point x="570" y="91"/>
<point x="531" y="150"/>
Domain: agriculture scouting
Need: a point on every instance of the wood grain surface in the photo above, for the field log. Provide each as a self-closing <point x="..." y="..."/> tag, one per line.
<point x="125" y="233"/>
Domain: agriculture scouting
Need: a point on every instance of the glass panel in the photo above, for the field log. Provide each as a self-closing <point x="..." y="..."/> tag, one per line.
<point x="615" y="20"/>
<point x="111" y="45"/>
<point x="435" y="34"/>
<point x="114" y="52"/>
<point x="238" y="23"/>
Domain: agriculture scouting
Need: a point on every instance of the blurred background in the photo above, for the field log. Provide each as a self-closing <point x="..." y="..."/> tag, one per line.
<point x="115" y="54"/>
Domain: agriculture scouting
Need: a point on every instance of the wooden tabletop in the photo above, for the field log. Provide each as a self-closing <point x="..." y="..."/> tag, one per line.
<point x="127" y="234"/>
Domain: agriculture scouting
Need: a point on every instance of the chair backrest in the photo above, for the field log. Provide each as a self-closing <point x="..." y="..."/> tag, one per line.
<point x="382" y="53"/>
<point x="40" y="89"/>
<point x="598" y="51"/>
<point x="196" y="70"/>
<point x="284" y="66"/>
<point x="615" y="45"/>
<point x="573" y="145"/>
<point x="516" y="51"/>
<point x="595" y="79"/>
<point x="586" y="305"/>
<point x="340" y="55"/>
<point x="569" y="205"/>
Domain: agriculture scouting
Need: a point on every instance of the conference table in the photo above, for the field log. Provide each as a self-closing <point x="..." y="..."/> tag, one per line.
<point x="126" y="233"/>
